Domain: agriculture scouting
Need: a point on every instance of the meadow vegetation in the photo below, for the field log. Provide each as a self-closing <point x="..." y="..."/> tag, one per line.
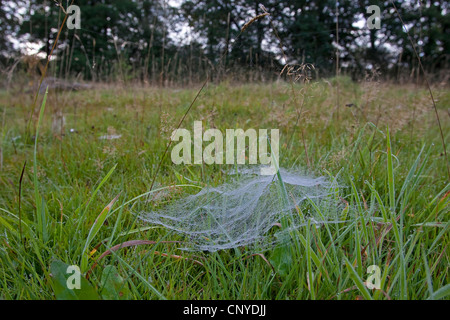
<point x="69" y="194"/>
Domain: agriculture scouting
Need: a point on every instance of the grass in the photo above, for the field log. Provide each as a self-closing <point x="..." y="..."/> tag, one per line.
<point x="79" y="194"/>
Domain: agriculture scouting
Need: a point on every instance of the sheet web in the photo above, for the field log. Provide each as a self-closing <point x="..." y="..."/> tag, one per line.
<point x="247" y="211"/>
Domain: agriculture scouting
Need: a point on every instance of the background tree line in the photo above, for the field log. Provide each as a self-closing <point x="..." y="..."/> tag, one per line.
<point x="147" y="40"/>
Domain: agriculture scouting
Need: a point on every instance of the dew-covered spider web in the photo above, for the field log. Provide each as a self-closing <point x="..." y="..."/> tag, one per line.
<point x="249" y="210"/>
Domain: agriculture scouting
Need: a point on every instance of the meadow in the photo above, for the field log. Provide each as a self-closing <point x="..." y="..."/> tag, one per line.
<point x="69" y="192"/>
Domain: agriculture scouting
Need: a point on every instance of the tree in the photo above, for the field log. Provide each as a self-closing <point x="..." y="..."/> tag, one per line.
<point x="9" y="21"/>
<point x="114" y="35"/>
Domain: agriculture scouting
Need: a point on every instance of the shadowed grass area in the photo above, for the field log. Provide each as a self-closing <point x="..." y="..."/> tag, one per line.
<point x="78" y="192"/>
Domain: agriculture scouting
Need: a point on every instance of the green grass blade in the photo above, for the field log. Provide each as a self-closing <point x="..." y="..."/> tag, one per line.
<point x="98" y="223"/>
<point x="357" y="280"/>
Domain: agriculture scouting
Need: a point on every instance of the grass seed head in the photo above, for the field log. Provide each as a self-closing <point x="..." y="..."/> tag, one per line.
<point x="260" y="16"/>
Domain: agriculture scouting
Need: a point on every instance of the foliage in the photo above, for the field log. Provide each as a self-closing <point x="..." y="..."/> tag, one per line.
<point x="393" y="181"/>
<point x="123" y="40"/>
